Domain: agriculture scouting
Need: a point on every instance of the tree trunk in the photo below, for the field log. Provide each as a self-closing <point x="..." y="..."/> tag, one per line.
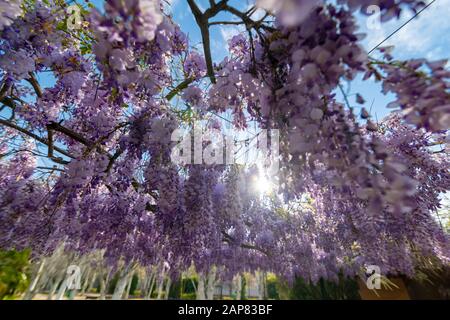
<point x="260" y="277"/>
<point x="151" y="286"/>
<point x="104" y="284"/>
<point x="211" y="284"/>
<point x="201" y="287"/>
<point x="85" y="284"/>
<point x="161" y="283"/>
<point x="238" y="286"/>
<point x="166" y="292"/>
<point x="160" y="288"/>
<point x="85" y="276"/>
<point x="121" y="285"/>
<point x="92" y="283"/>
<point x="266" y="293"/>
<point x="29" y="294"/>
<point x="54" y="286"/>
<point x="144" y="285"/>
<point x="127" y="290"/>
<point x="62" y="290"/>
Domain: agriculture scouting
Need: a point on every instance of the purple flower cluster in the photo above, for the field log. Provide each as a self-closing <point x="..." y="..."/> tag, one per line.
<point x="194" y="66"/>
<point x="85" y="162"/>
<point x="9" y="10"/>
<point x="423" y="96"/>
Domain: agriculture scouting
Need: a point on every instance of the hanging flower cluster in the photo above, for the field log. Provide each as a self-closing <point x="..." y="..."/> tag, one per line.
<point x="85" y="161"/>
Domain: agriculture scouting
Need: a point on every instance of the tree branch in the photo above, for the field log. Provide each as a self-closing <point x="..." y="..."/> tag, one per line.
<point x="35" y="84"/>
<point x="202" y="21"/>
<point x="213" y="23"/>
<point x="51" y="147"/>
<point x="34" y="136"/>
<point x="249" y="23"/>
<point x="229" y="239"/>
<point x="113" y="159"/>
<point x="4" y="90"/>
<point x="71" y="134"/>
<point x="183" y="85"/>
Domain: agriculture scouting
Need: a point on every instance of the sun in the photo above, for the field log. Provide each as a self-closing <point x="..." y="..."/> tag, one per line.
<point x="262" y="184"/>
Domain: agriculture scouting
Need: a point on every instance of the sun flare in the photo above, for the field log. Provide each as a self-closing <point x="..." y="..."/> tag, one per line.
<point x="262" y="184"/>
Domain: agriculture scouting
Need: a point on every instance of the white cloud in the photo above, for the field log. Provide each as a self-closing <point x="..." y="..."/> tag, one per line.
<point x="170" y="5"/>
<point x="229" y="32"/>
<point x="425" y="36"/>
<point x="258" y="14"/>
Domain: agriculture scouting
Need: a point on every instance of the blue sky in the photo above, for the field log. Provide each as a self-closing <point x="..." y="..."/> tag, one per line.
<point x="427" y="36"/>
